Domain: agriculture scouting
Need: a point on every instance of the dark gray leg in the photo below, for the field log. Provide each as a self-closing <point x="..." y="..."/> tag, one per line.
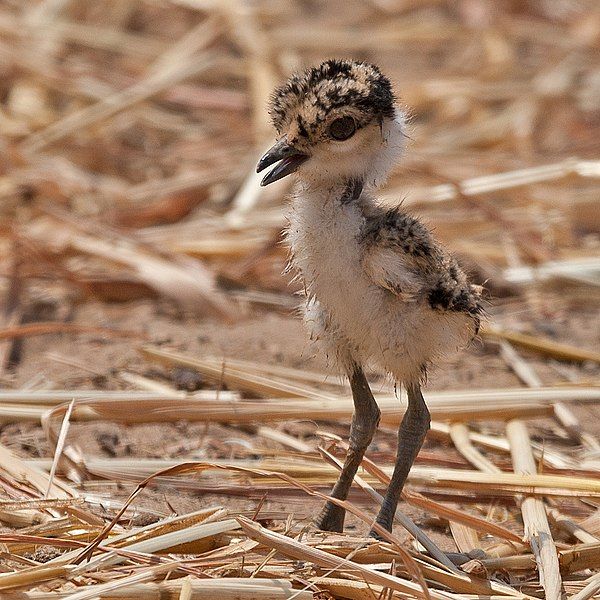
<point x="364" y="423"/>
<point x="411" y="434"/>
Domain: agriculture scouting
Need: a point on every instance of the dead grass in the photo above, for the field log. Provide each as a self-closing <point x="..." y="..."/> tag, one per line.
<point x="129" y="132"/>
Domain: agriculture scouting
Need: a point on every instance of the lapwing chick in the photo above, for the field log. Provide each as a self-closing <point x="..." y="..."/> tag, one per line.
<point x="379" y="288"/>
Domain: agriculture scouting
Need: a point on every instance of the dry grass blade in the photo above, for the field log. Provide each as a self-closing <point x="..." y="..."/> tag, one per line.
<point x="49" y="398"/>
<point x="542" y="345"/>
<point x="39" y="504"/>
<point x="230" y="588"/>
<point x="134" y="407"/>
<point x="505" y="181"/>
<point x="580" y="557"/>
<point x="565" y="416"/>
<point x="280" y="371"/>
<point x="185" y="280"/>
<point x="34" y="540"/>
<point x="575" y="529"/>
<point x="465" y="538"/>
<point x="583" y="270"/>
<point x="62" y="436"/>
<point x="312" y="472"/>
<point x="252" y="377"/>
<point x="284" y="439"/>
<point x="136" y="410"/>
<point x="537" y="529"/>
<point x="93" y="591"/>
<point x="459" y="516"/>
<point x="19" y="471"/>
<point x="500" y="483"/>
<point x="33" y="576"/>
<point x="572" y="560"/>
<point x="176" y="541"/>
<point x="166" y="71"/>
<point x="245" y="379"/>
<point x="443" y="511"/>
<point x="523" y="370"/>
<point x="151" y="532"/>
<point x="300" y="551"/>
<point x="591" y="588"/>
<point x="353" y="590"/>
<point x="459" y="434"/>
<point x="500" y="444"/>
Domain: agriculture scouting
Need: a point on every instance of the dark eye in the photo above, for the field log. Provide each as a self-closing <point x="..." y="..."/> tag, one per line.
<point x="342" y="128"/>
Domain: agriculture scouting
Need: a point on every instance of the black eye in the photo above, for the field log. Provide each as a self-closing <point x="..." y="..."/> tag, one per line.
<point x="342" y="128"/>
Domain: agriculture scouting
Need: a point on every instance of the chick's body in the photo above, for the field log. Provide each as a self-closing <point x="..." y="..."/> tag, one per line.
<point x="380" y="289"/>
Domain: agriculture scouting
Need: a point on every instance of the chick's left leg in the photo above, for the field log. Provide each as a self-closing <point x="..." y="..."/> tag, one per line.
<point x="411" y="435"/>
<point x="364" y="423"/>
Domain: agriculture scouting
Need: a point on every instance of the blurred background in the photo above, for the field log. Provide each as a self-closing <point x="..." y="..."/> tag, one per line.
<point x="141" y="264"/>
<point x="130" y="131"/>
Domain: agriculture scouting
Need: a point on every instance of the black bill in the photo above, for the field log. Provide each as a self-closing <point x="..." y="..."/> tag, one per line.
<point x="288" y="157"/>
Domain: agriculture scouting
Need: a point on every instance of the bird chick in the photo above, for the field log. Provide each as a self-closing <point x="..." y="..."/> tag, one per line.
<point x="379" y="288"/>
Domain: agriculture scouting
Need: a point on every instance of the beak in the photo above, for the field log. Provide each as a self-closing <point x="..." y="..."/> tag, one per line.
<point x="290" y="158"/>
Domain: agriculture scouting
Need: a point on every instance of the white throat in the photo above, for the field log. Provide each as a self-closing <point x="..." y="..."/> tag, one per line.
<point x="393" y="136"/>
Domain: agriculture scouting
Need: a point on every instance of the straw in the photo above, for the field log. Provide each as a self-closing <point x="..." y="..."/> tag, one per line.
<point x="132" y="219"/>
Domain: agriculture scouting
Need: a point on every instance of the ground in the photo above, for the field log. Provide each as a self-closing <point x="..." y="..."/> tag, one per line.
<point x="129" y="136"/>
<point x="80" y="362"/>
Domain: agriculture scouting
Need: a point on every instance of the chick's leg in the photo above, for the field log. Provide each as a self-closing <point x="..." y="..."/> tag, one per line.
<point x="364" y="423"/>
<point x="411" y="434"/>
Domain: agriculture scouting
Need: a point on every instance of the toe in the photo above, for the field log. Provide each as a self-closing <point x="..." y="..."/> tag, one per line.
<point x="387" y="525"/>
<point x="373" y="534"/>
<point x="331" y="518"/>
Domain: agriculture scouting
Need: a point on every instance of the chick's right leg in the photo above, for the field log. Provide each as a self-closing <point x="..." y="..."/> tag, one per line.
<point x="364" y="423"/>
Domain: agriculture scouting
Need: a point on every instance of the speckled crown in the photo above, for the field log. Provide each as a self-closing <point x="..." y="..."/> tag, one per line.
<point x="310" y="96"/>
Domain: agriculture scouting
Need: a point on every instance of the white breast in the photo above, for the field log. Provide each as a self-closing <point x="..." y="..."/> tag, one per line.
<point x="323" y="235"/>
<point x="324" y="238"/>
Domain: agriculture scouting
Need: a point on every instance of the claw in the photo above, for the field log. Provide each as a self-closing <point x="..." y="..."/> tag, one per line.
<point x="331" y="518"/>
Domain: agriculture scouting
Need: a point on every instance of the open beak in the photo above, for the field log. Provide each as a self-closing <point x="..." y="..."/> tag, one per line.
<point x="288" y="157"/>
